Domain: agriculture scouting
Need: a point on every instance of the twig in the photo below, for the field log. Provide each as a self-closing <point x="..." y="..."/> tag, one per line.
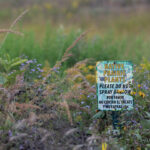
<point x="66" y="54"/>
<point x="12" y="25"/>
<point x="11" y="31"/>
<point x="18" y="18"/>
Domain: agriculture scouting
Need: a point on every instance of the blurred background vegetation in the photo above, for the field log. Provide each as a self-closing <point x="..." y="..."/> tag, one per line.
<point x="119" y="29"/>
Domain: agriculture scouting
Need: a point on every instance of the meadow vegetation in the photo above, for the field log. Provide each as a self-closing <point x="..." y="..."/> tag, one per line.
<point x="48" y="90"/>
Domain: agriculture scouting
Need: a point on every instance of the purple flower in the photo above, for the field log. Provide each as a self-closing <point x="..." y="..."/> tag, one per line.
<point x="29" y="61"/>
<point x="87" y="106"/>
<point x="93" y="86"/>
<point x="21" y="147"/>
<point x="33" y="70"/>
<point x="10" y="133"/>
<point x="82" y="102"/>
<point x="145" y="87"/>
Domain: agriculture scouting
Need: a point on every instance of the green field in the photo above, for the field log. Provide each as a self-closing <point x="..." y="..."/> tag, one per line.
<point x="110" y="37"/>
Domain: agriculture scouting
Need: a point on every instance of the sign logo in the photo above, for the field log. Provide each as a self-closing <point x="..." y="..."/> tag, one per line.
<point x="114" y="81"/>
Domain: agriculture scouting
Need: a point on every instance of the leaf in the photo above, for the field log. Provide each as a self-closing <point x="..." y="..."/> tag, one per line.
<point x="148" y="145"/>
<point x="18" y="62"/>
<point x="145" y="123"/>
<point x="98" y="115"/>
<point x="2" y="79"/>
<point x="148" y="114"/>
<point x="12" y="78"/>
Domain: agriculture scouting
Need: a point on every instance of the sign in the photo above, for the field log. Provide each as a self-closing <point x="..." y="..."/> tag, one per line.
<point x="114" y="81"/>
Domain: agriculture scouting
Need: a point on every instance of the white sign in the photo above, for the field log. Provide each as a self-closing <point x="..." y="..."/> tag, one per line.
<point x="114" y="81"/>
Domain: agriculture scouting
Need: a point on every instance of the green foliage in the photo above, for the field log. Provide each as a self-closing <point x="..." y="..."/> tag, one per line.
<point x="99" y="115"/>
<point x="9" y="69"/>
<point x="51" y="48"/>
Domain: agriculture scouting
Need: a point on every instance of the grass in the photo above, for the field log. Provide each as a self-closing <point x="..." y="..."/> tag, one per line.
<point x="121" y="37"/>
<point x="55" y="41"/>
<point x="50" y="100"/>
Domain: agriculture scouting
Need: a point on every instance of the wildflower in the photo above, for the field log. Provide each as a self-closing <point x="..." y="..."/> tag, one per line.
<point x="145" y="87"/>
<point x="10" y="133"/>
<point x="32" y="70"/>
<point x="91" y="67"/>
<point x="90" y="78"/>
<point x="87" y="106"/>
<point x="141" y="94"/>
<point x="85" y="70"/>
<point x="104" y="146"/>
<point x="93" y="86"/>
<point x="82" y="102"/>
<point x="143" y="66"/>
<point x="139" y="85"/>
<point x="133" y="93"/>
<point x="39" y="65"/>
<point x="124" y="128"/>
<point x="120" y="91"/>
<point x="21" y="147"/>
<point x="138" y="148"/>
<point x="78" y="118"/>
<point x="29" y="61"/>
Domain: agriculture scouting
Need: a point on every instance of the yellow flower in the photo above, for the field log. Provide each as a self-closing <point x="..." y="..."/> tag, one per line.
<point x="141" y="94"/>
<point x="90" y="78"/>
<point x="85" y="70"/>
<point x="138" y="148"/>
<point x="120" y="91"/>
<point x="143" y="66"/>
<point x="104" y="146"/>
<point x="91" y="67"/>
<point x="78" y="118"/>
<point x="139" y="85"/>
<point x="133" y="93"/>
<point x="124" y="128"/>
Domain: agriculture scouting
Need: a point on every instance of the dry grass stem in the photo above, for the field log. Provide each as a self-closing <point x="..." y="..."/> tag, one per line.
<point x="65" y="104"/>
<point x="66" y="54"/>
<point x="11" y="31"/>
<point x="12" y="25"/>
<point x="18" y="18"/>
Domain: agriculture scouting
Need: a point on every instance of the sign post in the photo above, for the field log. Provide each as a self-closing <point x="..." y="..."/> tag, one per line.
<point x="114" y="81"/>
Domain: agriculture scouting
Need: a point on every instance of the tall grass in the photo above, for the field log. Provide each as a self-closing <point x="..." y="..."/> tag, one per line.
<point x="51" y="48"/>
